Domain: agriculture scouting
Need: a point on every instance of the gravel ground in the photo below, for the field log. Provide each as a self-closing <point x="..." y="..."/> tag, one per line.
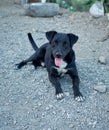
<point x="27" y="100"/>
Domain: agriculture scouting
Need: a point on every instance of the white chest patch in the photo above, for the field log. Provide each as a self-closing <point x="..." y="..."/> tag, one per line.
<point x="64" y="64"/>
<point x="61" y="69"/>
<point x="42" y="64"/>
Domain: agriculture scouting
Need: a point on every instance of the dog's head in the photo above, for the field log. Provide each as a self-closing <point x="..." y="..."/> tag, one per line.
<point x="61" y="45"/>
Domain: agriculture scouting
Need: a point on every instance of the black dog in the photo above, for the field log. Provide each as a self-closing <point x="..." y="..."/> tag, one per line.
<point x="59" y="58"/>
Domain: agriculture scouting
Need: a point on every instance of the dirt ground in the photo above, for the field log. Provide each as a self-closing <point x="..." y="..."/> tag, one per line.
<point x="27" y="100"/>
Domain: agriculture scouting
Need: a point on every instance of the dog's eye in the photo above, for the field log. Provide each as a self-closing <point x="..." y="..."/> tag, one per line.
<point x="65" y="44"/>
<point x="54" y="43"/>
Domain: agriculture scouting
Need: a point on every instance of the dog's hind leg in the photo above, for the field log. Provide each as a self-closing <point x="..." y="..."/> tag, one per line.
<point x="32" y="58"/>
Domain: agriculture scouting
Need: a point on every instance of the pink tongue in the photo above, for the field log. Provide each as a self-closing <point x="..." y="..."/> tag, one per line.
<point x="58" y="61"/>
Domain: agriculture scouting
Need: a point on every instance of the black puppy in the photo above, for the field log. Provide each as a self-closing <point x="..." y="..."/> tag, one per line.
<point x="59" y="59"/>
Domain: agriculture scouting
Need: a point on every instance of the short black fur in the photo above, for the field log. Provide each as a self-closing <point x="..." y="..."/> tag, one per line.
<point x="58" y="48"/>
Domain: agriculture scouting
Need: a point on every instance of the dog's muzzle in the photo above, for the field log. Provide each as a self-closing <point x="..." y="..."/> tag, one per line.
<point x="58" y="55"/>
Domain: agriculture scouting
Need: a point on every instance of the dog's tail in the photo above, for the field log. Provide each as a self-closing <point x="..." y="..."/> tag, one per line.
<point x="35" y="47"/>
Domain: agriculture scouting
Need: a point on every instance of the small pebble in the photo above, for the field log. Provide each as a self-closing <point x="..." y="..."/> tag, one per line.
<point x="15" y="122"/>
<point x="100" y="88"/>
<point x="108" y="16"/>
<point x="67" y="94"/>
<point x="102" y="60"/>
<point x="71" y="126"/>
<point x="54" y="113"/>
<point x="47" y="108"/>
<point x="49" y="129"/>
<point x="39" y="104"/>
<point x="26" y="102"/>
<point x="43" y="114"/>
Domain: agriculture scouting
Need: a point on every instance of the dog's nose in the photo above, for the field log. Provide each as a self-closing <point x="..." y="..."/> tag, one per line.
<point x="58" y="55"/>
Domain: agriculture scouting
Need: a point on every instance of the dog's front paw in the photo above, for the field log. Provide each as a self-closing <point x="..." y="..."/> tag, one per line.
<point x="79" y="97"/>
<point x="59" y="96"/>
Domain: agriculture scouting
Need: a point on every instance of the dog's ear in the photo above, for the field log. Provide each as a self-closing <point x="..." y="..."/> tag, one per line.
<point x="73" y="38"/>
<point x="50" y="35"/>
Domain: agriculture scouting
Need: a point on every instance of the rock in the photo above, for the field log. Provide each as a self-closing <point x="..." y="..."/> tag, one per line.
<point x="97" y="9"/>
<point x="41" y="10"/>
<point x="39" y="104"/>
<point x="71" y="126"/>
<point x="102" y="60"/>
<point x="47" y="108"/>
<point x="54" y="113"/>
<point x="49" y="129"/>
<point x="108" y="16"/>
<point x="67" y="94"/>
<point x="101" y="88"/>
<point x="17" y="2"/>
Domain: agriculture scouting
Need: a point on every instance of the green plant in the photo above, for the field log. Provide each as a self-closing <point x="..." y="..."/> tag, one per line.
<point x="80" y="5"/>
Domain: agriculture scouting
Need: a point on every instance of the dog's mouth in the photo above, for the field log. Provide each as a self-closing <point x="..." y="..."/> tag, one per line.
<point x="58" y="61"/>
